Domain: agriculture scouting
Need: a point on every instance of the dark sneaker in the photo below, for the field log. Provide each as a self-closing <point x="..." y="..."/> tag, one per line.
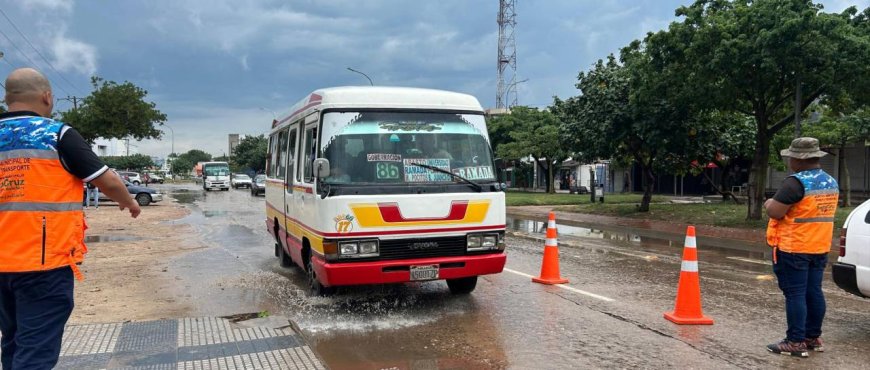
<point x="815" y="344"/>
<point x="785" y="347"/>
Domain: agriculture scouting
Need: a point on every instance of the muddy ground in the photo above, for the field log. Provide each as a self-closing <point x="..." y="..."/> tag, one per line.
<point x="126" y="274"/>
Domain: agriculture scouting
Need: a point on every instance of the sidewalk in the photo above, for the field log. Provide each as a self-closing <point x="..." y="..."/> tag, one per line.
<point x="189" y="343"/>
<point x="711" y="235"/>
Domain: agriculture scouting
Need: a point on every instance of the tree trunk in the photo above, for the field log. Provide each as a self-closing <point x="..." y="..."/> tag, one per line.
<point x="843" y="177"/>
<point x="647" y="180"/>
<point x="551" y="175"/>
<point x="758" y="174"/>
<point x="592" y="184"/>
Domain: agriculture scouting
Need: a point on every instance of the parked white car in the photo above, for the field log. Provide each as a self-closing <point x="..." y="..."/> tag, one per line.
<point x="852" y="270"/>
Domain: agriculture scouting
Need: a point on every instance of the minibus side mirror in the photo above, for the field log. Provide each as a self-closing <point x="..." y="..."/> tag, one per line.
<point x="321" y="168"/>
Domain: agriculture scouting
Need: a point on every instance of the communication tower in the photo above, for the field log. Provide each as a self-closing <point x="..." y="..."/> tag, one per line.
<point x="506" y="96"/>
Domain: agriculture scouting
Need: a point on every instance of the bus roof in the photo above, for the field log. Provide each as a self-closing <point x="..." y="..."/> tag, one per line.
<point x="379" y="97"/>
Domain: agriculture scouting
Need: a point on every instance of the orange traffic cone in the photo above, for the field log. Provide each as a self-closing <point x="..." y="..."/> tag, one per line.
<point x="687" y="309"/>
<point x="550" y="266"/>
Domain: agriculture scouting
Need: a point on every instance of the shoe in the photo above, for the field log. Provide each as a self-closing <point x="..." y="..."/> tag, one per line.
<point x="814" y="344"/>
<point x="788" y="348"/>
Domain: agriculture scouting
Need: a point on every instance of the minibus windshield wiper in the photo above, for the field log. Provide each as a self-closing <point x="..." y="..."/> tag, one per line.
<point x="473" y="184"/>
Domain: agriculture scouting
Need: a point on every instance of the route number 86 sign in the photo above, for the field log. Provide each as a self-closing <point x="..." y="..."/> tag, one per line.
<point x="387" y="171"/>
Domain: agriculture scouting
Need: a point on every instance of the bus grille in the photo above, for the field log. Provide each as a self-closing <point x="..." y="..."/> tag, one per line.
<point x="422" y="248"/>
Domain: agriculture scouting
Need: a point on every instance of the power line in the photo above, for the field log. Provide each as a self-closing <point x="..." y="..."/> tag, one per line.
<point x="26" y="57"/>
<point x="37" y="51"/>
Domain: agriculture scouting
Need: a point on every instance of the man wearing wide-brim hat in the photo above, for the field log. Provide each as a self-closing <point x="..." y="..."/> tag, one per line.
<point x="799" y="231"/>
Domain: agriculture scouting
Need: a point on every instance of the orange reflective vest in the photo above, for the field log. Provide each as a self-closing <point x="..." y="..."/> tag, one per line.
<point x="41" y="218"/>
<point x="808" y="226"/>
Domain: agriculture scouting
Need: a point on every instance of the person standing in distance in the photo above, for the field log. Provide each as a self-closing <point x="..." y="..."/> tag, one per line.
<point x="800" y="230"/>
<point x="43" y="163"/>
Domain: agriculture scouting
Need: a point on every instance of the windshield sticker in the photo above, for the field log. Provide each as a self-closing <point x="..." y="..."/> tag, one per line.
<point x="420" y="174"/>
<point x="387" y="171"/>
<point x="383" y="157"/>
<point x="474" y="173"/>
<point x="411" y="126"/>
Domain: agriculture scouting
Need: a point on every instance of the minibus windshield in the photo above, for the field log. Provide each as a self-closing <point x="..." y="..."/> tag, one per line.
<point x="384" y="147"/>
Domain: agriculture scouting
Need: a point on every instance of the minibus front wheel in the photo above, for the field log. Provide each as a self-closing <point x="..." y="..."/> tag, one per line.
<point x="317" y="289"/>
<point x="462" y="285"/>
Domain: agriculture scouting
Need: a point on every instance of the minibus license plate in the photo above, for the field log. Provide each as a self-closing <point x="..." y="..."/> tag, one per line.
<point x="428" y="272"/>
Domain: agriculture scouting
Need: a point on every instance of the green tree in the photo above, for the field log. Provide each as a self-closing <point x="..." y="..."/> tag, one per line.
<point x="623" y="113"/>
<point x="724" y="139"/>
<point x="250" y="153"/>
<point x="117" y="111"/>
<point x="534" y="133"/>
<point x="185" y="162"/>
<point x="136" y="162"/>
<point x="757" y="57"/>
<point x="836" y="131"/>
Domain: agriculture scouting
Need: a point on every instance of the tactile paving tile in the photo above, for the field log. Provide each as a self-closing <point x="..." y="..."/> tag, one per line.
<point x="293" y="358"/>
<point x="195" y="343"/>
<point x="148" y="336"/>
<point x="90" y="339"/>
<point x="211" y="330"/>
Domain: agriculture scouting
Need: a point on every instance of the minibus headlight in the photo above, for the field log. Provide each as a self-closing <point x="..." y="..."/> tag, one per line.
<point x="368" y="248"/>
<point x="349" y="249"/>
<point x="473" y="242"/>
<point x="489" y="241"/>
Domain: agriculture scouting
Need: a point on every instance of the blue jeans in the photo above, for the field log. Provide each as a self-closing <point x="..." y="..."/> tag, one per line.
<point x="34" y="307"/>
<point x="93" y="194"/>
<point x="800" y="279"/>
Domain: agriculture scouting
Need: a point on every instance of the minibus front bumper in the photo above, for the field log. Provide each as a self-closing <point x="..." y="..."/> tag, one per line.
<point x="399" y="271"/>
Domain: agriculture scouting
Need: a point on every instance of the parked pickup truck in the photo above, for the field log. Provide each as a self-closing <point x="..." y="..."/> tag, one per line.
<point x="852" y="269"/>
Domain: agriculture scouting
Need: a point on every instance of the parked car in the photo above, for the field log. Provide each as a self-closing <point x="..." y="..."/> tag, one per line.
<point x="130" y="176"/>
<point x="154" y="178"/>
<point x="852" y="270"/>
<point x="258" y="186"/>
<point x="240" y="180"/>
<point x="144" y="196"/>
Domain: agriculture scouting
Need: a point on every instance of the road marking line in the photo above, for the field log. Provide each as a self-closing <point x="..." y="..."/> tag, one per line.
<point x="563" y="286"/>
<point x="750" y="260"/>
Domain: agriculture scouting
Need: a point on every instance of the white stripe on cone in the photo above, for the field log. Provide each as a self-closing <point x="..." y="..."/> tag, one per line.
<point x="551" y="224"/>
<point x="551" y="242"/>
<point x="689" y="266"/>
<point x="691" y="242"/>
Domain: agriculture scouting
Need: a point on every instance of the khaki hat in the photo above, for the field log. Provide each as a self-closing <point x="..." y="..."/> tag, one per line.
<point x="803" y="148"/>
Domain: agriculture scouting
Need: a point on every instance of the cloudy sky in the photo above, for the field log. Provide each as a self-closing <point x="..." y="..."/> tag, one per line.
<point x="223" y="66"/>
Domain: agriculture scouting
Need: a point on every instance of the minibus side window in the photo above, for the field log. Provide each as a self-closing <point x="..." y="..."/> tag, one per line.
<point x="273" y="155"/>
<point x="308" y="154"/>
<point x="282" y="156"/>
<point x="291" y="157"/>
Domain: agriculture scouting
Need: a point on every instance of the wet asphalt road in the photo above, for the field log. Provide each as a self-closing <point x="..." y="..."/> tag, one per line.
<point x="610" y="315"/>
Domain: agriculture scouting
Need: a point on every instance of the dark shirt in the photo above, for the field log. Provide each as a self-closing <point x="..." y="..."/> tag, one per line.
<point x="791" y="192"/>
<point x="74" y="152"/>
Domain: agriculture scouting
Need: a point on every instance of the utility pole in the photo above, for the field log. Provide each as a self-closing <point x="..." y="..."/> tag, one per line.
<point x="73" y="99"/>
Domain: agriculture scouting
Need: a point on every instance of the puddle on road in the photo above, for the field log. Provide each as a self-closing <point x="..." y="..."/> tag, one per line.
<point x="537" y="227"/>
<point x="186" y="196"/>
<point x="110" y="238"/>
<point x="214" y="213"/>
<point x="749" y="257"/>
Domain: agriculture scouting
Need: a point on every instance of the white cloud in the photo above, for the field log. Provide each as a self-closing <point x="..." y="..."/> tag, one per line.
<point x="66" y="5"/>
<point x="46" y="28"/>
<point x="244" y="61"/>
<point x="73" y="56"/>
